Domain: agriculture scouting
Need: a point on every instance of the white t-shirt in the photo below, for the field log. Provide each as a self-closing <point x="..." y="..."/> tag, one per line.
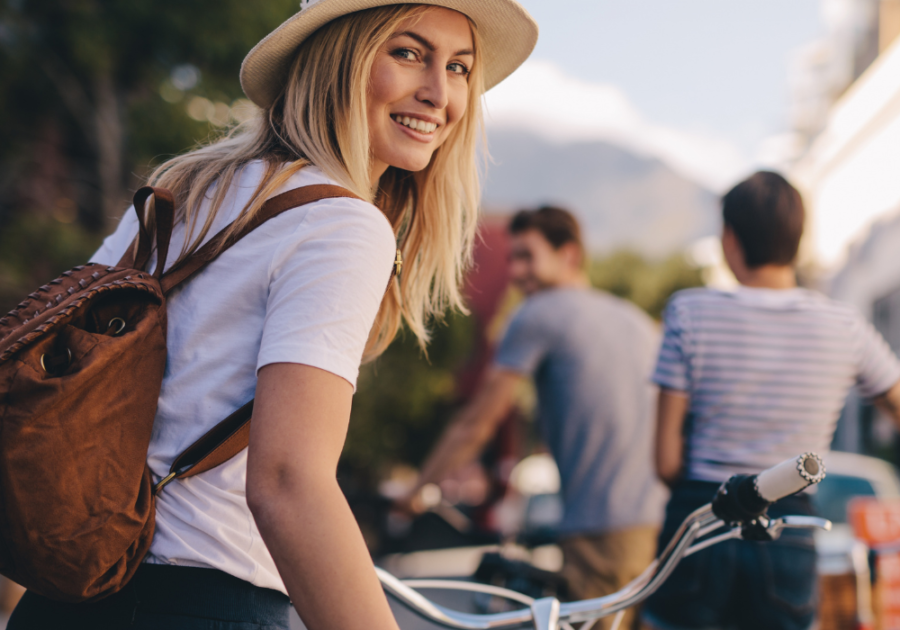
<point x="304" y="287"/>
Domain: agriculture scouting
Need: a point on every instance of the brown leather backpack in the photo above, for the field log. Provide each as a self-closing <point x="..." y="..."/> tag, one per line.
<point x="81" y="366"/>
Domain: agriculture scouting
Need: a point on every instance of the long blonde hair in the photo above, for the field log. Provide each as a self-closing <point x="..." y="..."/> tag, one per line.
<point x="320" y="118"/>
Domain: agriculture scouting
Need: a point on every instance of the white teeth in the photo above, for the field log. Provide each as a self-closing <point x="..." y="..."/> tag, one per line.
<point x="415" y="123"/>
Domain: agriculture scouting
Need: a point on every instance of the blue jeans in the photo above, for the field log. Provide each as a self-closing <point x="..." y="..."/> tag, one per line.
<point x="737" y="584"/>
<point x="163" y="597"/>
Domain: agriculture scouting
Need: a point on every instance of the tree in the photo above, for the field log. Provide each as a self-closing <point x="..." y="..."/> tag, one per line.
<point x="95" y="92"/>
<point x="645" y="282"/>
<point x="91" y="68"/>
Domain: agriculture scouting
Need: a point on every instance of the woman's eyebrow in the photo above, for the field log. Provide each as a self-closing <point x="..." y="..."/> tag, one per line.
<point x="429" y="45"/>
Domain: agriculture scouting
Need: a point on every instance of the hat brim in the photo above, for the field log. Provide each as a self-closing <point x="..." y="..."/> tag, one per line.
<point x="508" y="35"/>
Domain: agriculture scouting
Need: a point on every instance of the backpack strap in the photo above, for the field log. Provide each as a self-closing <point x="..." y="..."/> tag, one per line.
<point x="216" y="446"/>
<point x="232" y="435"/>
<point x="165" y="219"/>
<point x="220" y="242"/>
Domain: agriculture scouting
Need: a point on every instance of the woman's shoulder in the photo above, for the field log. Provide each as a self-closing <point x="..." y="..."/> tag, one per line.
<point x="344" y="213"/>
<point x="357" y="228"/>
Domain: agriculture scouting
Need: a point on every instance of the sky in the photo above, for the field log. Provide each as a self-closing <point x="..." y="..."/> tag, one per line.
<point x="702" y="84"/>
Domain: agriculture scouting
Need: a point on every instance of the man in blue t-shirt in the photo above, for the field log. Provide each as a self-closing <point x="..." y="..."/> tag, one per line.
<point x="762" y="374"/>
<point x="590" y="355"/>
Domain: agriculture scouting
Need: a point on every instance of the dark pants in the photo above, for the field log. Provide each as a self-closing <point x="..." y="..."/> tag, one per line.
<point x="163" y="597"/>
<point x="737" y="584"/>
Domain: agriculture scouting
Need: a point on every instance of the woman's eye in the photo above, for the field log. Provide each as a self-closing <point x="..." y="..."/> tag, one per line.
<point x="458" y="68"/>
<point x="405" y="53"/>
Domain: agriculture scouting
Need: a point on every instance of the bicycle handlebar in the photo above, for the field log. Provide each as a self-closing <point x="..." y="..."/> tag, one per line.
<point x="790" y="476"/>
<point x="745" y="498"/>
<point x="736" y="507"/>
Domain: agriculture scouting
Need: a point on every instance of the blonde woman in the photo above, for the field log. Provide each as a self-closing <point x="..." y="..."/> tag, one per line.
<point x="383" y="101"/>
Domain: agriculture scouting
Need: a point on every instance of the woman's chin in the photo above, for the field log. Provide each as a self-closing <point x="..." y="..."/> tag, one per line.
<point x="413" y="163"/>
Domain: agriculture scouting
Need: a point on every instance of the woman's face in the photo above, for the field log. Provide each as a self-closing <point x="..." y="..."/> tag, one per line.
<point x="418" y="89"/>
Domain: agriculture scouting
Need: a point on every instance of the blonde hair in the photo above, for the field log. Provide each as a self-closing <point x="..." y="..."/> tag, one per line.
<point x="320" y="118"/>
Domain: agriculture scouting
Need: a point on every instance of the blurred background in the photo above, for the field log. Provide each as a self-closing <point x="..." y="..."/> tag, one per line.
<point x="636" y="115"/>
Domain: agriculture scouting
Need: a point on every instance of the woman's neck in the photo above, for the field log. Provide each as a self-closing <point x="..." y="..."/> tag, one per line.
<point x="769" y="277"/>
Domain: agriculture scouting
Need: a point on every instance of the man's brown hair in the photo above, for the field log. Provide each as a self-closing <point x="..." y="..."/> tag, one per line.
<point x="766" y="215"/>
<point x="558" y="226"/>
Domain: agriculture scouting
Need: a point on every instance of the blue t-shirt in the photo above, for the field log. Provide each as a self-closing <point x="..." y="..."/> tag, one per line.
<point x="591" y="356"/>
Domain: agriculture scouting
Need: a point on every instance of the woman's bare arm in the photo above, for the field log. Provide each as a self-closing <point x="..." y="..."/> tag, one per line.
<point x="671" y="408"/>
<point x="889" y="403"/>
<point x="300" y="420"/>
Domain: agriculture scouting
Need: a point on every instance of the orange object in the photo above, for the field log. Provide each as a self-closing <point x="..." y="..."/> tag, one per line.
<point x="877" y="523"/>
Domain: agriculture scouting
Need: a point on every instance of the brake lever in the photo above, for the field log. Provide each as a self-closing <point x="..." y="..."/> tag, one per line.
<point x="766" y="529"/>
<point x="802" y="522"/>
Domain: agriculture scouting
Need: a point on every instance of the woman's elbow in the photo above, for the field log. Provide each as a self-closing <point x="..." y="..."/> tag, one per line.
<point x="270" y="487"/>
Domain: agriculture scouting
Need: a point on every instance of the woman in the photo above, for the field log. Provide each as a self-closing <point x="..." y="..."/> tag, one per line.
<point x="383" y="101"/>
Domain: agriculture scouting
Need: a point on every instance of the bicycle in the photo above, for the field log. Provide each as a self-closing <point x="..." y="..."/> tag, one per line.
<point x="738" y="511"/>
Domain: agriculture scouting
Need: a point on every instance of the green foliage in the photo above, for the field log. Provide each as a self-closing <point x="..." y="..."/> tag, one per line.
<point x="34" y="250"/>
<point x="404" y="399"/>
<point x="92" y="70"/>
<point x="85" y="118"/>
<point x="646" y="283"/>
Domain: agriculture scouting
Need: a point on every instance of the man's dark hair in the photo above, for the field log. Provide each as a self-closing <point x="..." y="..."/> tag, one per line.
<point x="766" y="215"/>
<point x="558" y="226"/>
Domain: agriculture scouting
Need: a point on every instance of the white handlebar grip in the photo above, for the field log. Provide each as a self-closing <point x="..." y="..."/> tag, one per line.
<point x="790" y="476"/>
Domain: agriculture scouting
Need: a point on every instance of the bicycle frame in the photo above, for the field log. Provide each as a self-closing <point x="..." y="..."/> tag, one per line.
<point x="697" y="532"/>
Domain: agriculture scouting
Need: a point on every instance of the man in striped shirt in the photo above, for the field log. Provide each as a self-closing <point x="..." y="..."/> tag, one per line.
<point x="748" y="379"/>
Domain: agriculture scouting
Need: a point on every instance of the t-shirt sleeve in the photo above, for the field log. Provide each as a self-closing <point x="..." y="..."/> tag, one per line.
<point x="672" y="365"/>
<point x="878" y="368"/>
<point x="326" y="286"/>
<point x="525" y="342"/>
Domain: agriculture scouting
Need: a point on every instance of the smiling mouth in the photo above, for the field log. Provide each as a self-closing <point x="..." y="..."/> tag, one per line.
<point x="415" y="124"/>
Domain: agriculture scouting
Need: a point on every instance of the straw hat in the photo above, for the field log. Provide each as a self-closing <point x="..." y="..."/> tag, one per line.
<point x="508" y="35"/>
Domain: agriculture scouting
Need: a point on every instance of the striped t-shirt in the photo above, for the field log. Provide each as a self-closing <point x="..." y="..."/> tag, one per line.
<point x="767" y="372"/>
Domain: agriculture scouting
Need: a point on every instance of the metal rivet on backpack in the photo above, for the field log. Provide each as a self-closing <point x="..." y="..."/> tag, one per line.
<point x="110" y="269"/>
<point x="67" y="273"/>
<point x="48" y="305"/>
<point x="70" y="290"/>
<point x="44" y="365"/>
<point x="95" y="276"/>
<point x="116" y="326"/>
<point x="56" y="281"/>
<point x="78" y="268"/>
<point x="59" y="298"/>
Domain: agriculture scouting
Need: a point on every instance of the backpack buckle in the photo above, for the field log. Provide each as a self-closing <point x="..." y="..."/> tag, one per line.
<point x="164" y="482"/>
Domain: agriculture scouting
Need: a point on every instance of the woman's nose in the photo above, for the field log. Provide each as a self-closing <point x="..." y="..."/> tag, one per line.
<point x="434" y="88"/>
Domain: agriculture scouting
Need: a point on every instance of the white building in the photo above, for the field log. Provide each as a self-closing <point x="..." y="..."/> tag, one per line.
<point x="850" y="178"/>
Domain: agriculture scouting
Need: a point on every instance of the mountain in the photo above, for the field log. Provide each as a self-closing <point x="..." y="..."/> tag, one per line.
<point x="624" y="200"/>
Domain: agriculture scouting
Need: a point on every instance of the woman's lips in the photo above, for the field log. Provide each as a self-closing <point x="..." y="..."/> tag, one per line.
<point x="414" y="133"/>
<point x="416" y="123"/>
